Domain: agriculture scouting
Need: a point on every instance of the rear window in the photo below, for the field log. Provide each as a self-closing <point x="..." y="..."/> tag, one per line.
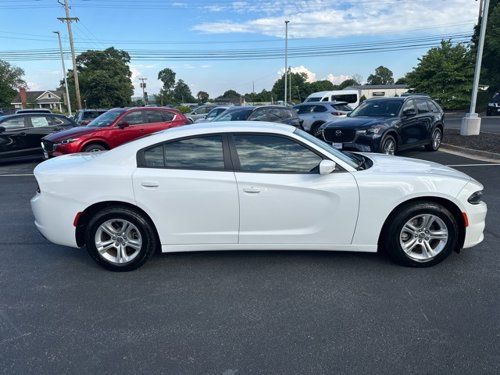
<point x="349" y="98"/>
<point x="315" y="99"/>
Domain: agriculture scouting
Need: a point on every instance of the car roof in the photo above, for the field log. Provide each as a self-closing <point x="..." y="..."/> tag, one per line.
<point x="320" y="103"/>
<point x="28" y="114"/>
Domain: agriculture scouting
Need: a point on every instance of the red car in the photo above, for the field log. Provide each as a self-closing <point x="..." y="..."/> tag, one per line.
<point x="111" y="129"/>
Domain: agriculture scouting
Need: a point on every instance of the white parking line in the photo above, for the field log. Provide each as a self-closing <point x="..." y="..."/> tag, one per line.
<point x="474" y="165"/>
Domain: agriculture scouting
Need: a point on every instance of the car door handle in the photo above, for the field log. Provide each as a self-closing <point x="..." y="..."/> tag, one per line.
<point x="22" y="133"/>
<point x="251" y="190"/>
<point x="150" y="184"/>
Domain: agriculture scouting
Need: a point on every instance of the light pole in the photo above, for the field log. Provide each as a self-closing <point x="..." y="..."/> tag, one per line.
<point x="286" y="58"/>
<point x="471" y="123"/>
<point x="64" y="71"/>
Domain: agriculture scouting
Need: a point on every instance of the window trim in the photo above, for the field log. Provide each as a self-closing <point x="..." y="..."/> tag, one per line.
<point x="228" y="166"/>
<point x="236" y="160"/>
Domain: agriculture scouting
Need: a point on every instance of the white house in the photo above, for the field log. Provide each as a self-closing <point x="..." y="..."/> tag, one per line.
<point x="50" y="99"/>
<point x="370" y="91"/>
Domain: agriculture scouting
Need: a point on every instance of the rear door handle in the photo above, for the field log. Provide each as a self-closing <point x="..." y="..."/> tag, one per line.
<point x="22" y="133"/>
<point x="150" y="184"/>
<point x="251" y="190"/>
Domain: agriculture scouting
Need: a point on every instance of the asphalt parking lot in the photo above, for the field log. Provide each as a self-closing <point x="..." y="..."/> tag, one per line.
<point x="246" y="312"/>
<point x="489" y="124"/>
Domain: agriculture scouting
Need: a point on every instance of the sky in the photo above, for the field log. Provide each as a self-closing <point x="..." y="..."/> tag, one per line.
<point x="216" y="45"/>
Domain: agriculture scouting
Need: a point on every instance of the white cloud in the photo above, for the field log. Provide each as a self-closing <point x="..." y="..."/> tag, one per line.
<point x="329" y="18"/>
<point x="337" y="79"/>
<point x="311" y="77"/>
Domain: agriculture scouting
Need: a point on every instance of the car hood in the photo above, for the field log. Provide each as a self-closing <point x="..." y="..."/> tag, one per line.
<point x="358" y="122"/>
<point x="388" y="164"/>
<point x="70" y="133"/>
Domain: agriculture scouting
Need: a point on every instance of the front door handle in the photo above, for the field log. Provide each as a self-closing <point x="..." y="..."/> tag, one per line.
<point x="150" y="184"/>
<point x="251" y="190"/>
<point x="22" y="133"/>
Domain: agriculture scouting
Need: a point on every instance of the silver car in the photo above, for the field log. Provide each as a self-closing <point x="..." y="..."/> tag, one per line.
<point x="200" y="112"/>
<point x="213" y="114"/>
<point x="313" y="115"/>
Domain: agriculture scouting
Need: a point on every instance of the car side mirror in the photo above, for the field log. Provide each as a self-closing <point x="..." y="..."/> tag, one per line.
<point x="2" y="129"/>
<point x="326" y="167"/>
<point x="410" y="112"/>
<point x="123" y="124"/>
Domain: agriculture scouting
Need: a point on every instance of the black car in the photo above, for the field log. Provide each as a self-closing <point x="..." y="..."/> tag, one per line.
<point x="388" y="125"/>
<point x="85" y="116"/>
<point x="270" y="113"/>
<point x="21" y="134"/>
<point x="493" y="108"/>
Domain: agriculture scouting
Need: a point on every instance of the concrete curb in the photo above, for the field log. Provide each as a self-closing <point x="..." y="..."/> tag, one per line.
<point x="472" y="153"/>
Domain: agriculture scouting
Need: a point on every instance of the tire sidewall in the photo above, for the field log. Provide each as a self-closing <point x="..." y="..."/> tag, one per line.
<point x="148" y="241"/>
<point x="432" y="139"/>
<point x="384" y="140"/>
<point x="391" y="241"/>
<point x="88" y="147"/>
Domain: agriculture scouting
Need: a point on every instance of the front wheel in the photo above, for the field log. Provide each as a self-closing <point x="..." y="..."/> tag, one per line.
<point x="420" y="235"/>
<point x="388" y="145"/>
<point x="120" y="239"/>
<point x="94" y="147"/>
<point x="437" y="136"/>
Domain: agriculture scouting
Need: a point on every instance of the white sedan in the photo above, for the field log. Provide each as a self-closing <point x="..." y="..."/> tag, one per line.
<point x="253" y="186"/>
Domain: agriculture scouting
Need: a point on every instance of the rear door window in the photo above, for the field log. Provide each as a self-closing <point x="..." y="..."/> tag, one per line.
<point x="303" y="109"/>
<point x="39" y="121"/>
<point x="134" y="118"/>
<point x="422" y="106"/>
<point x="319" y="108"/>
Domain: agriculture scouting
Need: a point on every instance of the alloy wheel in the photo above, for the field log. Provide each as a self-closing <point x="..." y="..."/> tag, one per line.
<point x="436" y="139"/>
<point x="389" y="147"/>
<point x="118" y="241"/>
<point x="423" y="237"/>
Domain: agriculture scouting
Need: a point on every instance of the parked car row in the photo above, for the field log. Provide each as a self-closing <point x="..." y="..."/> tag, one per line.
<point x="385" y="125"/>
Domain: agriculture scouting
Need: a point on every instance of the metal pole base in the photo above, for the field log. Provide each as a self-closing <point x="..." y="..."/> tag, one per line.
<point x="471" y="124"/>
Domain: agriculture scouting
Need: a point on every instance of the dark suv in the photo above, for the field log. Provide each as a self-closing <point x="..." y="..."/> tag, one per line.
<point x="388" y="125"/>
<point x="269" y="113"/>
<point x="494" y="106"/>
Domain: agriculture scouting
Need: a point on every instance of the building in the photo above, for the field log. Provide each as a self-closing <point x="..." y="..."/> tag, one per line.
<point x="50" y="99"/>
<point x="370" y="91"/>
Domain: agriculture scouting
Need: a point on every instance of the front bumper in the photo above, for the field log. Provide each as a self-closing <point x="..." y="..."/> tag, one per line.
<point x="358" y="142"/>
<point x="476" y="215"/>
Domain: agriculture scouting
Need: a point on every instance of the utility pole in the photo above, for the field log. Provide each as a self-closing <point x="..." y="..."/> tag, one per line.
<point x="143" y="86"/>
<point x="68" y="19"/>
<point x="286" y="58"/>
<point x="471" y="123"/>
<point x="64" y="72"/>
<point x="290" y="88"/>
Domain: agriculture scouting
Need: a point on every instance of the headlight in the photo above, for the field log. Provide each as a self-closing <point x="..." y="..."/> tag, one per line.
<point x="373" y="130"/>
<point x="69" y="140"/>
<point x="476" y="198"/>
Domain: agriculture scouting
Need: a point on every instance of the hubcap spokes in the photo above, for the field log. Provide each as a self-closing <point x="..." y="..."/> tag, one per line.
<point x="437" y="139"/>
<point x="423" y="237"/>
<point x="389" y="147"/>
<point x="118" y="241"/>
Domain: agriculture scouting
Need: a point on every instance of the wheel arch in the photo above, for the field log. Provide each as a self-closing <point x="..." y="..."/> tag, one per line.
<point x="90" y="211"/>
<point x="97" y="141"/>
<point x="450" y="205"/>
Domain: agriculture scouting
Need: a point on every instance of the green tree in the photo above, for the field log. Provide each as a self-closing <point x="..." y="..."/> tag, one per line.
<point x="297" y="84"/>
<point x="445" y="73"/>
<point x="104" y="78"/>
<point x="348" y="82"/>
<point x="402" y="81"/>
<point x="182" y="93"/>
<point x="323" y="85"/>
<point x="490" y="67"/>
<point x="11" y="79"/>
<point x="202" y="96"/>
<point x="229" y="96"/>
<point x="382" y="76"/>
<point x="167" y="77"/>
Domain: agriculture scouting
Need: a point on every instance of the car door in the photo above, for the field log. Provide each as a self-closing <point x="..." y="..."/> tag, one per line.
<point x="40" y="126"/>
<point x="426" y="120"/>
<point x="13" y="142"/>
<point x="410" y="126"/>
<point x="284" y="199"/>
<point x="131" y="126"/>
<point x="189" y="188"/>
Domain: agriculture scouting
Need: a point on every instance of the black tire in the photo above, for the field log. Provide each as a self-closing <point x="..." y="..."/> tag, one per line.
<point x="390" y="241"/>
<point x="147" y="232"/>
<point x="315" y="127"/>
<point x="436" y="139"/>
<point x="94" y="147"/>
<point x="385" y="145"/>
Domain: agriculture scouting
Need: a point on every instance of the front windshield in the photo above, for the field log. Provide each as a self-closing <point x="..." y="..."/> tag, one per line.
<point x="347" y="158"/>
<point x="240" y="114"/>
<point x="106" y="119"/>
<point x="378" y="108"/>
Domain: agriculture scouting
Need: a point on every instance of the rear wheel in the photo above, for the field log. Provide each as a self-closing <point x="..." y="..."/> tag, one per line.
<point x="436" y="138"/>
<point x="120" y="239"/>
<point x="420" y="235"/>
<point x="94" y="147"/>
<point x="388" y="145"/>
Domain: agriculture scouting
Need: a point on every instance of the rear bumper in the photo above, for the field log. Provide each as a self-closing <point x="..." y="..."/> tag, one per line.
<point x="54" y="222"/>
